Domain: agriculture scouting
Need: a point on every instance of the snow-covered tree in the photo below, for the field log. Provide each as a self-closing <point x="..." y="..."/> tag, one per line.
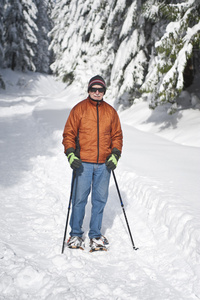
<point x="173" y="51"/>
<point x="131" y="55"/>
<point x="140" y="47"/>
<point x="106" y="37"/>
<point x="1" y="33"/>
<point x="20" y="38"/>
<point x="43" y="55"/>
<point x="88" y="35"/>
<point x="2" y="85"/>
<point x="60" y="16"/>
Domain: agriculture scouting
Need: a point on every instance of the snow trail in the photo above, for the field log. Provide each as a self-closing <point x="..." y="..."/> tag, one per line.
<point x="35" y="188"/>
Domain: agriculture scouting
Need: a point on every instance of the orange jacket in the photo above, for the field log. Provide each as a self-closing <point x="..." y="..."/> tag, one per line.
<point x="94" y="129"/>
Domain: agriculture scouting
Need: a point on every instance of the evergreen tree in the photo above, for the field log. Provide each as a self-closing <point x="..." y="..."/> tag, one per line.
<point x="20" y="38"/>
<point x="131" y="59"/>
<point x="174" y="51"/>
<point x="43" y="55"/>
<point x="60" y="16"/>
<point x="142" y="48"/>
<point x="92" y="36"/>
<point x="1" y="33"/>
<point x="2" y="85"/>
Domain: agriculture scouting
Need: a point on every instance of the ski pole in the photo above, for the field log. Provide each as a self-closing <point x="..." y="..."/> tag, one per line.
<point x="122" y="205"/>
<point x="70" y="200"/>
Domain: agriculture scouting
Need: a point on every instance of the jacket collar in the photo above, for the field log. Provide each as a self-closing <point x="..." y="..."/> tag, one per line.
<point x="94" y="102"/>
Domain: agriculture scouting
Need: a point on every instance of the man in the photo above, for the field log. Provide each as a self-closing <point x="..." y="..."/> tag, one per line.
<point x="92" y="139"/>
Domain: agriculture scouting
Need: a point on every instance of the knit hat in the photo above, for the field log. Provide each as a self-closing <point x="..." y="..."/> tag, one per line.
<point x="97" y="80"/>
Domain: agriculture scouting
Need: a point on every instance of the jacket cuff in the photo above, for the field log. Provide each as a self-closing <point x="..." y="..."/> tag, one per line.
<point x="69" y="150"/>
<point x="116" y="152"/>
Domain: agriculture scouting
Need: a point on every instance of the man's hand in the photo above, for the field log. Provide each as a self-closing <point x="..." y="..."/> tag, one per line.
<point x="112" y="159"/>
<point x="74" y="161"/>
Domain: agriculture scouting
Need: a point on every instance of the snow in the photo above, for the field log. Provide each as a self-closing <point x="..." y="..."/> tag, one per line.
<point x="158" y="177"/>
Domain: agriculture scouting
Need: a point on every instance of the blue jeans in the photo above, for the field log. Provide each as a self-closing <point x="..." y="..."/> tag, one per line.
<point x="97" y="177"/>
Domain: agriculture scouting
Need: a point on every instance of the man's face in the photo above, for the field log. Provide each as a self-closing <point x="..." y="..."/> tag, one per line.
<point x="96" y="92"/>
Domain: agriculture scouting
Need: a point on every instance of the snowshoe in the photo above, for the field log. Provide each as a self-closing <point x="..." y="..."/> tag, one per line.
<point x="75" y="242"/>
<point x="99" y="244"/>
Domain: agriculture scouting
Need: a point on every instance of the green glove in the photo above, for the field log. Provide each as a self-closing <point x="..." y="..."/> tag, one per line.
<point x="112" y="159"/>
<point x="74" y="161"/>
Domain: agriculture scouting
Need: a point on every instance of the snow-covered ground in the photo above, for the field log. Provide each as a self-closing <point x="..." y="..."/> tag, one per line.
<point x="158" y="176"/>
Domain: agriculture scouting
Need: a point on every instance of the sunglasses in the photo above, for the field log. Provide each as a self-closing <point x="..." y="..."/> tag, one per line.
<point x="93" y="90"/>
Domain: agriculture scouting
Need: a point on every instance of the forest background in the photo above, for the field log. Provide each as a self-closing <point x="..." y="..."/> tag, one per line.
<point x="147" y="50"/>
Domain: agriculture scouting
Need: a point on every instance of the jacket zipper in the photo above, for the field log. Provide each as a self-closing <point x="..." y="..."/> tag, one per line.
<point x="97" y="132"/>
